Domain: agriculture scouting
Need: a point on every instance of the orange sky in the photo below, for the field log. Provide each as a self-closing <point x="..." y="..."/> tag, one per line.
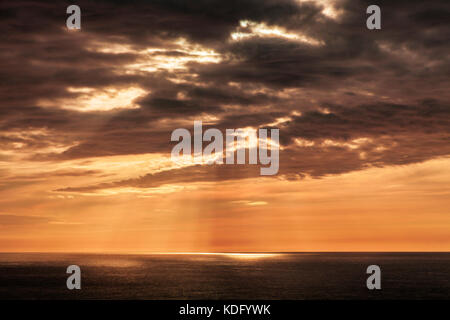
<point x="86" y="118"/>
<point x="403" y="208"/>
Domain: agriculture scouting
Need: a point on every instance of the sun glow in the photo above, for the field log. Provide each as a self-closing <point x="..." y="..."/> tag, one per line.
<point x="90" y="99"/>
<point x="233" y="255"/>
<point x="175" y="56"/>
<point x="328" y="7"/>
<point x="248" y="29"/>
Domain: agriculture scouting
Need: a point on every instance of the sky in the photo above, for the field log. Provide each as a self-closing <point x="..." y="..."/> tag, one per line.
<point x="86" y="118"/>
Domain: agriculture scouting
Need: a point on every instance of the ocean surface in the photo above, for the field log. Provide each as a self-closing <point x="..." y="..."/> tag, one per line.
<point x="226" y="276"/>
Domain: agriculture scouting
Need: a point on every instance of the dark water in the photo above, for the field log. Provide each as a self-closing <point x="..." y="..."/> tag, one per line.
<point x="280" y="276"/>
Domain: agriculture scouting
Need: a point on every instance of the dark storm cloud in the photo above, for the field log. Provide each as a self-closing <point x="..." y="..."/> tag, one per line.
<point x="405" y="134"/>
<point x="350" y="52"/>
<point x="204" y="21"/>
<point x="395" y="80"/>
<point x="428" y="117"/>
<point x="230" y="96"/>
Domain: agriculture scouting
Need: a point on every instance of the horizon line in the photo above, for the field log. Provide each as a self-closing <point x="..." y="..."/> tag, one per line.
<point x="207" y="253"/>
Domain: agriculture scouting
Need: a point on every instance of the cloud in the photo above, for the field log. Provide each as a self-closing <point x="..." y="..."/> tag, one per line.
<point x="12" y="220"/>
<point x="387" y="87"/>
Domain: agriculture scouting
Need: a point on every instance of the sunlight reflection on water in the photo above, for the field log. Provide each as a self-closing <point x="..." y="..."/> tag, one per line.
<point x="231" y="255"/>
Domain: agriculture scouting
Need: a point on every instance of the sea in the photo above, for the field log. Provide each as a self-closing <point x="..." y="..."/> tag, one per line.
<point x="219" y="276"/>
